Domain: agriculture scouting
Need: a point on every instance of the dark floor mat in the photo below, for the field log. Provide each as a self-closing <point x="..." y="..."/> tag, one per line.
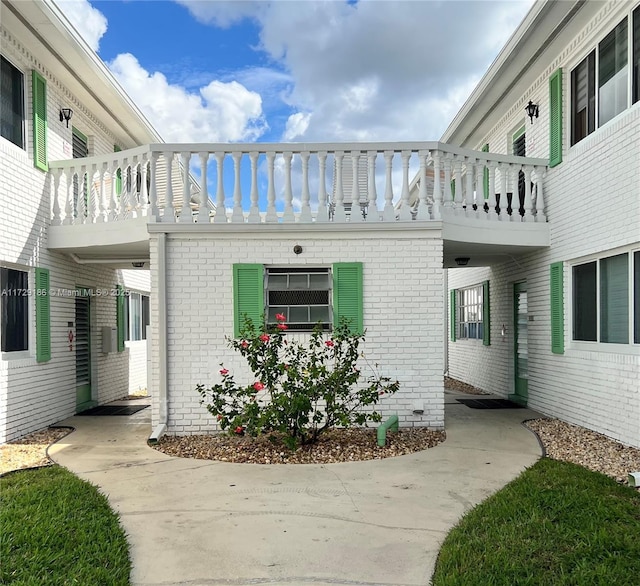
<point x="114" y="410"/>
<point x="489" y="403"/>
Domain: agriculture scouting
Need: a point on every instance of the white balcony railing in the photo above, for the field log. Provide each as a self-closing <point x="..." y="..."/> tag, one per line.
<point x="288" y="183"/>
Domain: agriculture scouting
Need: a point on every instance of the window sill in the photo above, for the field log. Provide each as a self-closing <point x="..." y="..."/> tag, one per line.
<point x="16" y="360"/>
<point x="604" y="348"/>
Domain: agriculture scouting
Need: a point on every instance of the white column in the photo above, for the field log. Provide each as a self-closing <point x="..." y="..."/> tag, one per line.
<point x="254" y="211"/>
<point x="203" y="205"/>
<point x="305" y="210"/>
<point x="221" y="212"/>
<point x="388" y="213"/>
<point x="237" y="216"/>
<point x="323" y="212"/>
<point x="339" y="214"/>
<point x="272" y="215"/>
<point x="373" y="214"/>
<point x="405" y="210"/>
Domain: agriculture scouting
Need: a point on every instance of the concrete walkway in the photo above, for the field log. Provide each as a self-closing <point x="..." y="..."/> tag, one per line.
<point x="199" y="523"/>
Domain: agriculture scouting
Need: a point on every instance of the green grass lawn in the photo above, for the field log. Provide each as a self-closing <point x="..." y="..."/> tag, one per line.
<point x="56" y="529"/>
<point x="557" y="523"/>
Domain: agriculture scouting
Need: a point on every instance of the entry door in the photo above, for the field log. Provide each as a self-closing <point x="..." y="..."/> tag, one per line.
<point x="83" y="354"/>
<point x="521" y="345"/>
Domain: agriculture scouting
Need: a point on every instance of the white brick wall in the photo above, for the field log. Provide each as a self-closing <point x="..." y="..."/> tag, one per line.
<point x="403" y="313"/>
<point x="593" y="207"/>
<point x="33" y="395"/>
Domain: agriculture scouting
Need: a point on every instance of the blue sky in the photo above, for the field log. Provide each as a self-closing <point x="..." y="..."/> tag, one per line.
<point x="299" y="70"/>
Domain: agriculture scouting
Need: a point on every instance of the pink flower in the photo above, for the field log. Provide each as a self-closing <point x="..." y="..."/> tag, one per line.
<point x="282" y="327"/>
<point x="329" y="343"/>
<point x="219" y="417"/>
<point x="380" y="393"/>
<point x="239" y="430"/>
<point x="258" y="386"/>
<point x="264" y="338"/>
<point x="280" y="317"/>
<point x="244" y="344"/>
<point x="224" y="372"/>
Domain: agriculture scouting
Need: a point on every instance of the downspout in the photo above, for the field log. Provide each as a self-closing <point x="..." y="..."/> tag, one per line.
<point x="445" y="281"/>
<point x="161" y="333"/>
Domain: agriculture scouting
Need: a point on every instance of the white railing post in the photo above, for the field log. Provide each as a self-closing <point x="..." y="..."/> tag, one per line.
<point x="288" y="215"/>
<point x="254" y="211"/>
<point x="238" y="213"/>
<point x="323" y="210"/>
<point x="305" y="209"/>
<point x="221" y="212"/>
<point x="153" y="186"/>
<point x="448" y="196"/>
<point x="169" y="211"/>
<point x="144" y="192"/>
<point x="405" y="210"/>
<point x="388" y="213"/>
<point x="457" y="183"/>
<point x="186" y="217"/>
<point x="437" y="189"/>
<point x="357" y="213"/>
<point x="203" y="205"/>
<point x="102" y="216"/>
<point x="479" y="191"/>
<point x="491" y="201"/>
<point x="468" y="199"/>
<point x="540" y="207"/>
<point x="528" y="207"/>
<point x="339" y="214"/>
<point x="124" y="195"/>
<point x="422" y="210"/>
<point x="55" y="219"/>
<point x="69" y="208"/>
<point x="373" y="214"/>
<point x="272" y="214"/>
<point x="81" y="204"/>
<point x="504" y="170"/>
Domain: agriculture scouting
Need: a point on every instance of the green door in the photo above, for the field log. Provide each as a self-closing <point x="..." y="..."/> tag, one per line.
<point x="520" y="343"/>
<point x="83" y="355"/>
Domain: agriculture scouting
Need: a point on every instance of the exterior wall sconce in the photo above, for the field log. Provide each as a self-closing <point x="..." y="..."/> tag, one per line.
<point x="462" y="261"/>
<point x="532" y="110"/>
<point x="65" y="115"/>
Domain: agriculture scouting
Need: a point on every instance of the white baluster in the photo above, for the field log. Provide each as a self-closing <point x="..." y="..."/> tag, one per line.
<point x="254" y="211"/>
<point x="272" y="215"/>
<point x="422" y="211"/>
<point x="323" y="211"/>
<point x="448" y="196"/>
<point x="540" y="207"/>
<point x="373" y="214"/>
<point x="186" y="217"/>
<point x="479" y="191"/>
<point x="515" y="198"/>
<point x="113" y="200"/>
<point x="55" y="220"/>
<point x="339" y="214"/>
<point x="437" y="189"/>
<point x="124" y="195"/>
<point x="102" y="216"/>
<point x="457" y="182"/>
<point x="305" y="209"/>
<point x="144" y="194"/>
<point x="169" y="210"/>
<point x="203" y="206"/>
<point x="504" y="171"/>
<point x="356" y="210"/>
<point x="388" y="213"/>
<point x="69" y="208"/>
<point x="153" y="186"/>
<point x="491" y="202"/>
<point x="81" y="204"/>
<point x="237" y="215"/>
<point x="221" y="212"/>
<point x="528" y="206"/>
<point x="134" y="202"/>
<point x="405" y="209"/>
<point x="288" y="215"/>
<point x="468" y="198"/>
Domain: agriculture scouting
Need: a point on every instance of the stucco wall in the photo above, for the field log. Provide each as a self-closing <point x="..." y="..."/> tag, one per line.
<point x="403" y="311"/>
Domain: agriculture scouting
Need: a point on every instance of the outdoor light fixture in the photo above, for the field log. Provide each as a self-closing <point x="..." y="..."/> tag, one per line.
<point x="137" y="265"/>
<point x="462" y="261"/>
<point x="532" y="110"/>
<point x="65" y="114"/>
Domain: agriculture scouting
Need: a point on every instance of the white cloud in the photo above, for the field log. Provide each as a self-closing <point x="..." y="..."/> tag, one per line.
<point x="218" y="112"/>
<point x="223" y="13"/>
<point x="90" y="23"/>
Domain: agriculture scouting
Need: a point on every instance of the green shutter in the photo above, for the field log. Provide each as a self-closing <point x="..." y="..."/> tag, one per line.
<point x="452" y="311"/>
<point x="248" y="295"/>
<point x="348" y="294"/>
<point x="43" y="316"/>
<point x="120" y="321"/>
<point x="117" y="149"/>
<point x="557" y="308"/>
<point x="486" y="315"/>
<point x="485" y="174"/>
<point x="555" y="118"/>
<point x="39" y="104"/>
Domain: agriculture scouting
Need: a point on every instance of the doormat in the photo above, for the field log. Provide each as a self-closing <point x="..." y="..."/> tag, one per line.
<point x="114" y="410"/>
<point x="489" y="403"/>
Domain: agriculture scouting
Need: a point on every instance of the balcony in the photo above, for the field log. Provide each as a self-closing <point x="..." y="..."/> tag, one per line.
<point x="485" y="204"/>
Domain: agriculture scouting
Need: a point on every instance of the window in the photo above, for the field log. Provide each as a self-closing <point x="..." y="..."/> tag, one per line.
<point x="305" y="295"/>
<point x="302" y="295"/>
<point x="470" y="313"/>
<point x="14" y="286"/>
<point x="600" y="83"/>
<point x="606" y="300"/>
<point x="136" y="311"/>
<point x="11" y="103"/>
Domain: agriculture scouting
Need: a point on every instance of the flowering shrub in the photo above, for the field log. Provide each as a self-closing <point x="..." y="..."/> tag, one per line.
<point x="298" y="390"/>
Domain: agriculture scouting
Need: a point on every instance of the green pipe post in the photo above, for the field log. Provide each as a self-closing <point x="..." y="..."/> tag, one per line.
<point x="390" y="424"/>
